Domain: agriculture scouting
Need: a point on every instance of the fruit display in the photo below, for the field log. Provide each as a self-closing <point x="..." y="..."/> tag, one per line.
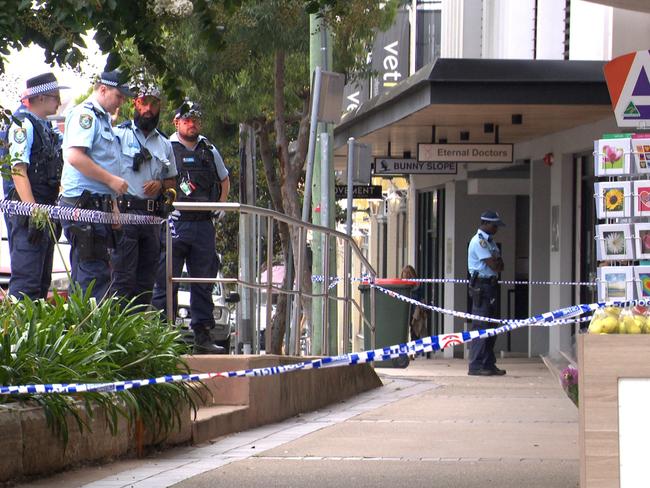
<point x="615" y="320"/>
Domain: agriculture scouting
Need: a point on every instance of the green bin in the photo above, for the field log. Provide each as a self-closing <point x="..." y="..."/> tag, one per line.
<point x="392" y="318"/>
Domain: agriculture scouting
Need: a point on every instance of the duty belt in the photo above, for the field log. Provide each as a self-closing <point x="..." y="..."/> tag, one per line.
<point x="91" y="201"/>
<point x="127" y="203"/>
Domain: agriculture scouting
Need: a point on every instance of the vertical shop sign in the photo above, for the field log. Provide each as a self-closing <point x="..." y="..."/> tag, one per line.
<point x="390" y="55"/>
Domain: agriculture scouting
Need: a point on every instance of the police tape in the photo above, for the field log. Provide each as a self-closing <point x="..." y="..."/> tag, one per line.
<point x="416" y="347"/>
<point x="560" y="316"/>
<point x="335" y="280"/>
<point x="55" y="212"/>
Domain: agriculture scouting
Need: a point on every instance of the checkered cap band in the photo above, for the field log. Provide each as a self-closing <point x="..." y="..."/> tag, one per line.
<point x="492" y="219"/>
<point x="44" y="88"/>
<point x="104" y="81"/>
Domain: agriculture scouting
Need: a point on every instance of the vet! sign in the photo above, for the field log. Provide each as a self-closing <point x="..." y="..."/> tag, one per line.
<point x="465" y="153"/>
<point x="400" y="166"/>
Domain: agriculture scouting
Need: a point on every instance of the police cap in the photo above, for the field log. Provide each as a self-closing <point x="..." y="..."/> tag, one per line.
<point x="40" y="85"/>
<point x="492" y="217"/>
<point x="115" y="79"/>
<point x="188" y="110"/>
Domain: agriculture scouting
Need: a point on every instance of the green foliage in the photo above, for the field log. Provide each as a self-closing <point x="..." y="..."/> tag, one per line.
<point x="80" y="341"/>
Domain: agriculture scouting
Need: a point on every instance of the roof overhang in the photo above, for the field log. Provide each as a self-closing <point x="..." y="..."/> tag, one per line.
<point x="638" y="5"/>
<point x="453" y="95"/>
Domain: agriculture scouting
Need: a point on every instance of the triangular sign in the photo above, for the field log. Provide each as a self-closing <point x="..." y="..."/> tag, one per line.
<point x="631" y="110"/>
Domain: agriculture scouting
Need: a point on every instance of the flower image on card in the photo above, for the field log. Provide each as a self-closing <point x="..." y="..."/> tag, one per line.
<point x="614" y="242"/>
<point x="614" y="199"/>
<point x="612" y="156"/>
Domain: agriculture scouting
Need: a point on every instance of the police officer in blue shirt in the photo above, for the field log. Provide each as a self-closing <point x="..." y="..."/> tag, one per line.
<point x="202" y="177"/>
<point x="91" y="178"/>
<point x="484" y="263"/>
<point x="8" y="183"/>
<point x="36" y="161"/>
<point x="148" y="165"/>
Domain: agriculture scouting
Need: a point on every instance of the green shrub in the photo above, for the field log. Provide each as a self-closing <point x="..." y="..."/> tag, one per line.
<point x="77" y="340"/>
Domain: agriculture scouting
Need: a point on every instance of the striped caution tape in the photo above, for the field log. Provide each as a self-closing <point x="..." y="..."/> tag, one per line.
<point x="76" y="214"/>
<point x="419" y="346"/>
<point x="334" y="280"/>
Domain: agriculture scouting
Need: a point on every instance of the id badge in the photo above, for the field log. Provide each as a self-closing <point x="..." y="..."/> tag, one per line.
<point x="185" y="187"/>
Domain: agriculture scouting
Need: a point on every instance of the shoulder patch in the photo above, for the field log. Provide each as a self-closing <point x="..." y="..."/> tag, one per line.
<point x="482" y="242"/>
<point x="85" y="121"/>
<point x="20" y="135"/>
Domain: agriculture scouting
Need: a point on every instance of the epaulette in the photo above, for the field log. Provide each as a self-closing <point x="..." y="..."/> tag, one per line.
<point x="90" y="106"/>
<point x="125" y="125"/>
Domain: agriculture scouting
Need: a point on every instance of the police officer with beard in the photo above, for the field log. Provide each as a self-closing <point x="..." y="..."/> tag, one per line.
<point x="484" y="263"/>
<point x="202" y="177"/>
<point x="35" y="151"/>
<point x="90" y="179"/>
<point x="148" y="165"/>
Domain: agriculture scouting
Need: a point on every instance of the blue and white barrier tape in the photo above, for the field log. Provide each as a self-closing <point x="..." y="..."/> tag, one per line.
<point x="334" y="280"/>
<point x="76" y="214"/>
<point x="419" y="346"/>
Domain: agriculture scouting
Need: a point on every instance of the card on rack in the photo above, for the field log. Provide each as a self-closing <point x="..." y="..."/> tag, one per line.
<point x="642" y="281"/>
<point x="641" y="153"/>
<point x="615" y="242"/>
<point x="612" y="156"/>
<point x="613" y="199"/>
<point x="615" y="283"/>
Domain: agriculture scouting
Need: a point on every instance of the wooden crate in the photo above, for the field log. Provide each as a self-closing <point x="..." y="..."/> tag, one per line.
<point x="602" y="360"/>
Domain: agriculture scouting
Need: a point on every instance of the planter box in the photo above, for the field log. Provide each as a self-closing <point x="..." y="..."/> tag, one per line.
<point x="602" y="361"/>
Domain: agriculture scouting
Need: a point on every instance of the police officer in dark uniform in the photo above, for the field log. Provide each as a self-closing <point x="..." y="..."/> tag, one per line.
<point x="148" y="165"/>
<point x="90" y="179"/>
<point x="484" y="263"/>
<point x="202" y="177"/>
<point x="35" y="150"/>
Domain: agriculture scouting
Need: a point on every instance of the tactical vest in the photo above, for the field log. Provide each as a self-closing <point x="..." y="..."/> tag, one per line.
<point x="45" y="163"/>
<point x="196" y="168"/>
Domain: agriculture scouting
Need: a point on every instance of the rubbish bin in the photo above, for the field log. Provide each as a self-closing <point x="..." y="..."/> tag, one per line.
<point x="391" y="318"/>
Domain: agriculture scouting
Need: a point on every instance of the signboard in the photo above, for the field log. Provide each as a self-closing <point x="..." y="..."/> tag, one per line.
<point x="354" y="94"/>
<point x="397" y="166"/>
<point x="465" y="153"/>
<point x="629" y="88"/>
<point x="358" y="191"/>
<point x="390" y="54"/>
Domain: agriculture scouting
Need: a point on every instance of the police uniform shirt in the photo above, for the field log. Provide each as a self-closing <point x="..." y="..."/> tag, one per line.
<point x="222" y="172"/>
<point x="161" y="166"/>
<point x="88" y="126"/>
<point x="21" y="138"/>
<point x="481" y="247"/>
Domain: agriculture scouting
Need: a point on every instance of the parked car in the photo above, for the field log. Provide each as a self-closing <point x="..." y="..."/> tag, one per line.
<point x="224" y="328"/>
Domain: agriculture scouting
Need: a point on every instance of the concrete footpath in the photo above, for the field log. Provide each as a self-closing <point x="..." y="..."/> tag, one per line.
<point x="430" y="425"/>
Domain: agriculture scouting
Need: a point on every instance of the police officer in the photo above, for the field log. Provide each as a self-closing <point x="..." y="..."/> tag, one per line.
<point x="8" y="183"/>
<point x="35" y="151"/>
<point x="148" y="165"/>
<point x="90" y="179"/>
<point x="202" y="177"/>
<point x="484" y="263"/>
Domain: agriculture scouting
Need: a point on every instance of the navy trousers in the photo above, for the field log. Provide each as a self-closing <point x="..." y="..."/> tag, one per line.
<point x="84" y="269"/>
<point x="481" y="351"/>
<point x="31" y="264"/>
<point x="193" y="246"/>
<point x="134" y="262"/>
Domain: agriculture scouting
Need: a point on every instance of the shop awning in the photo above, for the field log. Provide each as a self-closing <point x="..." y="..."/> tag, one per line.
<point x="525" y="99"/>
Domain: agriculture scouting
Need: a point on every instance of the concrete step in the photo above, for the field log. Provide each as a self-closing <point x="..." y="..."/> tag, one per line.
<point x="218" y="420"/>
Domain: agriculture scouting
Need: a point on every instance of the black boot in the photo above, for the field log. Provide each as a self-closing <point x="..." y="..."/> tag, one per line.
<point x="203" y="343"/>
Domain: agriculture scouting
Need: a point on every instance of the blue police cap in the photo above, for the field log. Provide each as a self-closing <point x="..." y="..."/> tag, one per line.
<point x="115" y="79"/>
<point x="493" y="218"/>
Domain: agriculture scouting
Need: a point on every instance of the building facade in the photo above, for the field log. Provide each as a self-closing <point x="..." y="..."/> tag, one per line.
<point x="520" y="72"/>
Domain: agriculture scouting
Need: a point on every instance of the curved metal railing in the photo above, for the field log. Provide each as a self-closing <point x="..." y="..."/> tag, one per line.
<point x="351" y="255"/>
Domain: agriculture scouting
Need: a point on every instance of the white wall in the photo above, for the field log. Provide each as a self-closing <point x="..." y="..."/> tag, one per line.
<point x="590" y="32"/>
<point x="550" y="29"/>
<point x="461" y="29"/>
<point x="508" y="29"/>
<point x="630" y="31"/>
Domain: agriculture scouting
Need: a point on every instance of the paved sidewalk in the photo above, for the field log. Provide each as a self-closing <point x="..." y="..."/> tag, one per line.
<point x="430" y="425"/>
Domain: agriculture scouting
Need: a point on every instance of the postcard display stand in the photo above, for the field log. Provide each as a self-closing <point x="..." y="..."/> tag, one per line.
<point x="623" y="211"/>
<point x="614" y="369"/>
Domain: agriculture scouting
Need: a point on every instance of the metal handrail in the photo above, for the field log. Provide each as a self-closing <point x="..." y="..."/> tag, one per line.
<point x="350" y="246"/>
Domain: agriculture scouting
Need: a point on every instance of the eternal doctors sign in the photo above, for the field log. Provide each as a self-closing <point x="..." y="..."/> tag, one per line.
<point x="465" y="153"/>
